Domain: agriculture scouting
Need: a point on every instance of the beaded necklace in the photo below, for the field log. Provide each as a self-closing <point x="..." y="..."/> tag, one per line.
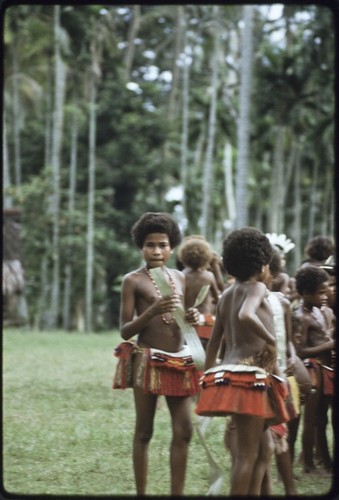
<point x="166" y="317"/>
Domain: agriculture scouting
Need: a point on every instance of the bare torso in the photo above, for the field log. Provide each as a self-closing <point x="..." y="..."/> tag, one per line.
<point x="139" y="293"/>
<point x="195" y="280"/>
<point x="241" y="340"/>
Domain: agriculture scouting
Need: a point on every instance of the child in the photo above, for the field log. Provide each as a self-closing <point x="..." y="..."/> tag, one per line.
<point x="282" y="282"/>
<point x="195" y="253"/>
<point x="318" y="249"/>
<point x="242" y="385"/>
<point x="158" y="363"/>
<point x="313" y="331"/>
<point x="287" y="361"/>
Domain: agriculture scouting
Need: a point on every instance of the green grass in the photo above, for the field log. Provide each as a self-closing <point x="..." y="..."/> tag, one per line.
<point x="66" y="432"/>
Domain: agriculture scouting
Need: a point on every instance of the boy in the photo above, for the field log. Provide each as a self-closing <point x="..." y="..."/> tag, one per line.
<point x="195" y="254"/>
<point x="158" y="363"/>
<point x="313" y="331"/>
<point x="242" y="385"/>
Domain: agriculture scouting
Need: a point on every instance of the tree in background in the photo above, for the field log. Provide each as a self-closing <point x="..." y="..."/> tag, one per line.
<point x="158" y="124"/>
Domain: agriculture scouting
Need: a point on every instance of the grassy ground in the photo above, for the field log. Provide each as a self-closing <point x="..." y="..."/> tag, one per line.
<point x="66" y="432"/>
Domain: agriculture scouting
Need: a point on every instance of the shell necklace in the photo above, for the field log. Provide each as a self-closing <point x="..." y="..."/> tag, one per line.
<point x="166" y="317"/>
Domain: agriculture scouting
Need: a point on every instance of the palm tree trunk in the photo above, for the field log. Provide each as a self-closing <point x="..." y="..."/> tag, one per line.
<point x="243" y="123"/>
<point x="297" y="214"/>
<point x="172" y="98"/>
<point x="6" y="175"/>
<point x="58" y="115"/>
<point x="313" y="200"/>
<point x="277" y="183"/>
<point x="184" y="136"/>
<point x="71" y="200"/>
<point x="229" y="187"/>
<point x="208" y="165"/>
<point x="129" y="54"/>
<point x="16" y="118"/>
<point x="90" y="213"/>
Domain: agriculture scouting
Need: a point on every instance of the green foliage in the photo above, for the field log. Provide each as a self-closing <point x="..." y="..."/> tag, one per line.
<point x="138" y="145"/>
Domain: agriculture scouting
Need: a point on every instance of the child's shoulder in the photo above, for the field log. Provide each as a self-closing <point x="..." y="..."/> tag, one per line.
<point x="137" y="274"/>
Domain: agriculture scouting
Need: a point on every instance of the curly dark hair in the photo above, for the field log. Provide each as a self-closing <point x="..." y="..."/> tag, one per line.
<point x="195" y="252"/>
<point x="156" y="222"/>
<point x="309" y="278"/>
<point x="275" y="262"/>
<point x="320" y="247"/>
<point x="245" y="251"/>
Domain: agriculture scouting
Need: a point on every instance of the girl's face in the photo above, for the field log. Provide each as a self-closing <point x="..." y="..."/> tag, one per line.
<point x="156" y="249"/>
<point x="318" y="298"/>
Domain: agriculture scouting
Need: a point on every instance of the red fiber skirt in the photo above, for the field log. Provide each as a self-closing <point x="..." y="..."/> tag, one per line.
<point x="156" y="371"/>
<point x="228" y="390"/>
<point x="205" y="327"/>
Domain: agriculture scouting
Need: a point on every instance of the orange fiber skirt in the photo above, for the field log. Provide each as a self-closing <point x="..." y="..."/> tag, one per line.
<point x="242" y="389"/>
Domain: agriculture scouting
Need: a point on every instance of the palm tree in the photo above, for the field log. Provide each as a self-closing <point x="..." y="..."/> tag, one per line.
<point x="243" y="121"/>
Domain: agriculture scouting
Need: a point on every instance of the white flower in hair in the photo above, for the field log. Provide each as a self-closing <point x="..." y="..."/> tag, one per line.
<point x="281" y="241"/>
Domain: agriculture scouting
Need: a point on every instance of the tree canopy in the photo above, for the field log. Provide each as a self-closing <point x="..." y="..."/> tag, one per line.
<point x="111" y="111"/>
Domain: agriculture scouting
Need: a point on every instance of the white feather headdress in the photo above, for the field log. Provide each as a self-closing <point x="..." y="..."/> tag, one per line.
<point x="281" y="241"/>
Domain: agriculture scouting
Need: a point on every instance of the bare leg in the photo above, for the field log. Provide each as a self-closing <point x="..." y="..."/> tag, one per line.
<point x="293" y="426"/>
<point x="262" y="464"/>
<point x="145" y="405"/>
<point x="266" y="485"/>
<point x="310" y="414"/>
<point x="284" y="466"/>
<point x="321" y="438"/>
<point x="249" y="432"/>
<point x="181" y="414"/>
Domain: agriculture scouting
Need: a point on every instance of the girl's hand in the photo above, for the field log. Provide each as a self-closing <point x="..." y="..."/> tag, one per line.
<point x="192" y="316"/>
<point x="166" y="304"/>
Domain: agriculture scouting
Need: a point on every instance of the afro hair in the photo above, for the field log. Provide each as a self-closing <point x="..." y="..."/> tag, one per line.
<point x="156" y="222"/>
<point x="309" y="278"/>
<point x="245" y="251"/>
<point x="195" y="252"/>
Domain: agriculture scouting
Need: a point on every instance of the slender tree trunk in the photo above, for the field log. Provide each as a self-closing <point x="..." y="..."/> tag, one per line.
<point x="90" y="213"/>
<point x="6" y="175"/>
<point x="48" y="119"/>
<point x="42" y="319"/>
<point x="172" y="99"/>
<point x="60" y="83"/>
<point x="243" y="122"/>
<point x="229" y="186"/>
<point x="129" y="54"/>
<point x="71" y="200"/>
<point x="297" y="215"/>
<point x="16" y="118"/>
<point x="277" y="183"/>
<point x="184" y="136"/>
<point x="208" y="165"/>
<point x="313" y="200"/>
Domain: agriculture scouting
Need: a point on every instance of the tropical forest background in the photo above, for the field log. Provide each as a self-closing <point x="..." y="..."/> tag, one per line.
<point x="222" y="115"/>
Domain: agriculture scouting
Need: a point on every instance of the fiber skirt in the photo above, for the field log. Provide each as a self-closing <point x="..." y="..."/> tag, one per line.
<point x="205" y="326"/>
<point x="242" y="389"/>
<point x="322" y="376"/>
<point x="156" y="371"/>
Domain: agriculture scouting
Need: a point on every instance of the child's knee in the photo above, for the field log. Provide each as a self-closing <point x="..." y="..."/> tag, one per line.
<point x="143" y="436"/>
<point x="183" y="432"/>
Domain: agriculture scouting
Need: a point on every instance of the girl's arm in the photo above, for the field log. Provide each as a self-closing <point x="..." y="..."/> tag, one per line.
<point x="130" y="323"/>
<point x="214" y="342"/>
<point x="300" y="329"/>
<point x="248" y="312"/>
